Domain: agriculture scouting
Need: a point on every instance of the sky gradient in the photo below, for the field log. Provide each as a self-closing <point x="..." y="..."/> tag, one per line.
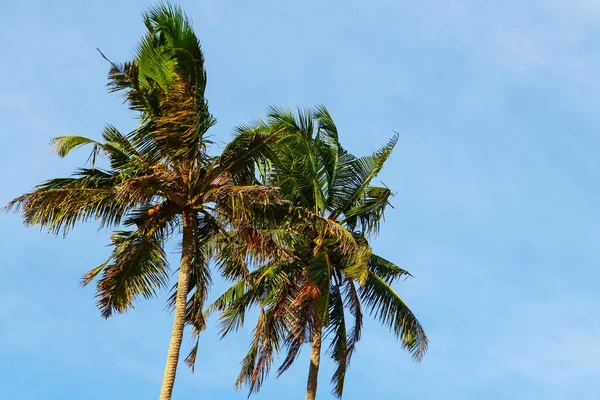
<point x="496" y="174"/>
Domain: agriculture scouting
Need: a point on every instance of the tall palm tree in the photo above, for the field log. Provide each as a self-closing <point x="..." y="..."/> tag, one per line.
<point x="159" y="181"/>
<point x="307" y="298"/>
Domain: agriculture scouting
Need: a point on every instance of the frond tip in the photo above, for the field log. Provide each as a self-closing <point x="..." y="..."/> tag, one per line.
<point x="64" y="144"/>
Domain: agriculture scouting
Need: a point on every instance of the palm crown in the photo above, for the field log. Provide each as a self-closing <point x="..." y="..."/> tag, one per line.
<point x="304" y="299"/>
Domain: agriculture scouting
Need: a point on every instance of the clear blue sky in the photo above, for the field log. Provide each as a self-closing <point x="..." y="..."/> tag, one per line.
<point x="497" y="174"/>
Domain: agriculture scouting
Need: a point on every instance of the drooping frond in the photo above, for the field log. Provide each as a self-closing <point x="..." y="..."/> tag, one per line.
<point x="136" y="267"/>
<point x="302" y="327"/>
<point x="389" y="308"/>
<point x="243" y="294"/>
<point x="59" y="204"/>
<point x="338" y="349"/>
<point x="352" y="303"/>
<point x="233" y="304"/>
<point x="308" y="309"/>
<point x="267" y="336"/>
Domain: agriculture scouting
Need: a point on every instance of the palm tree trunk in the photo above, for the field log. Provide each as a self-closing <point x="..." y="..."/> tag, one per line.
<point x="315" y="359"/>
<point x="187" y="249"/>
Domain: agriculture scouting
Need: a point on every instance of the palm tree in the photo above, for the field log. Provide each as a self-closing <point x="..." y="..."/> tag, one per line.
<point x="305" y="299"/>
<point x="159" y="181"/>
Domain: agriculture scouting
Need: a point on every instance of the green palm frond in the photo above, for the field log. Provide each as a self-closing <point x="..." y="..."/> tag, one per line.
<point x="229" y="251"/>
<point x="234" y="303"/>
<point x="136" y="267"/>
<point x="122" y="154"/>
<point x="338" y="349"/>
<point x="170" y="28"/>
<point x="355" y="266"/>
<point x="64" y="144"/>
<point x="387" y="270"/>
<point x="327" y="148"/>
<point x="240" y="292"/>
<point x="320" y="228"/>
<point x="352" y="303"/>
<point x="247" y="149"/>
<point x="59" y="204"/>
<point x="327" y="131"/>
<point x="369" y="212"/>
<point x="389" y="308"/>
<point x="116" y="148"/>
<point x="355" y="175"/>
<point x="297" y="169"/>
<point x="267" y="336"/>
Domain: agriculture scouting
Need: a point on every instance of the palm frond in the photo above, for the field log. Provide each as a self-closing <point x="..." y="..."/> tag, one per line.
<point x="136" y="267"/>
<point x="59" y="204"/>
<point x="122" y="154"/>
<point x="64" y="144"/>
<point x="389" y="308"/>
<point x="338" y="349"/>
<point x="354" y="175"/>
<point x="387" y="270"/>
<point x="267" y="336"/>
<point x="354" y="266"/>
<point x="352" y="303"/>
<point x="170" y="28"/>
<point x="125" y="77"/>
<point x="249" y="147"/>
<point x="297" y="169"/>
<point x="369" y="212"/>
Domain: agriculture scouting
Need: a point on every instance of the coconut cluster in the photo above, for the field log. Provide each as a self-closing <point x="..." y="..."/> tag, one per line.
<point x="154" y="210"/>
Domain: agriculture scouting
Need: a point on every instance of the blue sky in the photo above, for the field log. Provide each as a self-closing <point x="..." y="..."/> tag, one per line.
<point x="497" y="174"/>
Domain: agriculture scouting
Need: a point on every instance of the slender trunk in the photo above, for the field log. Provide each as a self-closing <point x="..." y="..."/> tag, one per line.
<point x="187" y="249"/>
<point x="313" y="371"/>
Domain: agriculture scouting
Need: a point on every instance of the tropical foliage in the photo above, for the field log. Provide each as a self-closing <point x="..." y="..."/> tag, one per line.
<point x="283" y="211"/>
<point x="325" y="288"/>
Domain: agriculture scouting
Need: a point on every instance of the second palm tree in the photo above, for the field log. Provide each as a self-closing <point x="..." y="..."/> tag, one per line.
<point x="303" y="300"/>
